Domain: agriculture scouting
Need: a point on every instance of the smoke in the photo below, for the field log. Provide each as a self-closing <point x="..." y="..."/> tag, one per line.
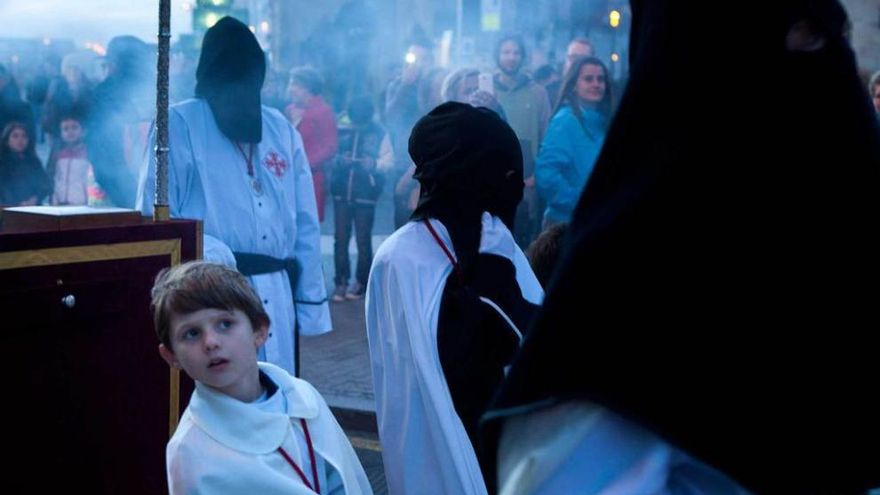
<point x="359" y="46"/>
<point x="94" y="21"/>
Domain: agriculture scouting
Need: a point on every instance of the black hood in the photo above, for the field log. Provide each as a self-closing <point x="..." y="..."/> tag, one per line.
<point x="729" y="214"/>
<point x="468" y="160"/>
<point x="230" y="75"/>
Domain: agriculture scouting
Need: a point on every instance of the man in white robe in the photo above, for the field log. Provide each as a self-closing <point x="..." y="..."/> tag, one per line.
<point x="241" y="168"/>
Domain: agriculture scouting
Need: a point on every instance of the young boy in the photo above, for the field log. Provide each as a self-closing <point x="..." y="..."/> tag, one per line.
<point x="250" y="427"/>
<point x="69" y="166"/>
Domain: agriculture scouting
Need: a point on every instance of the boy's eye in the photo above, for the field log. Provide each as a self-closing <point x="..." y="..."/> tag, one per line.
<point x="225" y="324"/>
<point x="190" y="334"/>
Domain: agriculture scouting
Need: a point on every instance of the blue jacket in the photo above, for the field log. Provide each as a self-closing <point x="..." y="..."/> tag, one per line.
<point x="566" y="158"/>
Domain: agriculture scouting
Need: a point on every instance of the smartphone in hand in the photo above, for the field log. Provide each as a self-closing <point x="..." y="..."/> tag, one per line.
<point x="486" y="84"/>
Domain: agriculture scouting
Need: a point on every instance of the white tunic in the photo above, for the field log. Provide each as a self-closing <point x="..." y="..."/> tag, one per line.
<point x="425" y="447"/>
<point x="578" y="447"/>
<point x="208" y="181"/>
<point x="225" y="446"/>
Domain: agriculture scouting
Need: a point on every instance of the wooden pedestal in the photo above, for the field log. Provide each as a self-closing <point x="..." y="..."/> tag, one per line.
<point x="89" y="404"/>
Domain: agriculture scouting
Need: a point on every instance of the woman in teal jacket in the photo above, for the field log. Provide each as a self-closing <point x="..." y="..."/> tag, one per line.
<point x="573" y="139"/>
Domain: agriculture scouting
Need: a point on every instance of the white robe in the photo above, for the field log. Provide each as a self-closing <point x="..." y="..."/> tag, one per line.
<point x="578" y="447"/>
<point x="225" y="446"/>
<point x="425" y="447"/>
<point x="208" y="181"/>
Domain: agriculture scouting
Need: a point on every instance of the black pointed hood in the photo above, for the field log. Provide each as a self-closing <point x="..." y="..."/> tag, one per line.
<point x="468" y="160"/>
<point x="229" y="77"/>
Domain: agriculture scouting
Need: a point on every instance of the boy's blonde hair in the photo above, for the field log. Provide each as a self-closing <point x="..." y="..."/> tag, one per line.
<point x="198" y="285"/>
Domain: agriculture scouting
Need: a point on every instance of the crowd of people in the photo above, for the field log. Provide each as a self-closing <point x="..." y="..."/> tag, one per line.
<point x="94" y="129"/>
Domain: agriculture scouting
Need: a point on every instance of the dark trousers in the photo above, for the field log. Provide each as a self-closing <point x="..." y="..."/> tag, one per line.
<point x="361" y="216"/>
<point x="527" y="223"/>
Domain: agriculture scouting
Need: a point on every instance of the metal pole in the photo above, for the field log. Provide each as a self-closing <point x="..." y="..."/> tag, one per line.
<point x="160" y="208"/>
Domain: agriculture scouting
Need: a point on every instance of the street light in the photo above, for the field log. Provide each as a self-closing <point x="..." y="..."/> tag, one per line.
<point x="211" y="18"/>
<point x="614" y="22"/>
<point x="614" y="18"/>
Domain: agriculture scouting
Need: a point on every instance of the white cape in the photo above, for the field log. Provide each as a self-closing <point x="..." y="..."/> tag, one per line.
<point x="425" y="447"/>
<point x="225" y="446"/>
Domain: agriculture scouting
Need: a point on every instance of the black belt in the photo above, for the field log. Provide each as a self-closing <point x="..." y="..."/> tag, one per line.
<point x="258" y="264"/>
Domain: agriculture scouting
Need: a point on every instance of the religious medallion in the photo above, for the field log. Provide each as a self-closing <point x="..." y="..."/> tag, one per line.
<point x="257" y="187"/>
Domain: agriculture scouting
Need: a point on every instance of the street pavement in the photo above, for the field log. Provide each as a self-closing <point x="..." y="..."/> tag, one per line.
<point x="338" y="363"/>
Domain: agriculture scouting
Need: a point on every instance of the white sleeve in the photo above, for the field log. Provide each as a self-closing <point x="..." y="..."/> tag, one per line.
<point x="310" y="294"/>
<point x="217" y="251"/>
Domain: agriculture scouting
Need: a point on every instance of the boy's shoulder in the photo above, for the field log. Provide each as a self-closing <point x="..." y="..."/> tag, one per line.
<point x="186" y="431"/>
<point x="295" y="389"/>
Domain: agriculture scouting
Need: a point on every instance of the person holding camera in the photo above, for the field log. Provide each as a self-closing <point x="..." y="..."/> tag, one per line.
<point x="365" y="154"/>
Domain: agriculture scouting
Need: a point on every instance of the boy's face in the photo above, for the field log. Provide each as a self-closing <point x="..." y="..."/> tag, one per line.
<point x="71" y="131"/>
<point x="217" y="348"/>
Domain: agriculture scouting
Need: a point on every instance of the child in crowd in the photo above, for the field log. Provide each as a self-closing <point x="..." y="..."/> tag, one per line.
<point x="365" y="155"/>
<point x="250" y="427"/>
<point x="23" y="182"/>
<point x="69" y="166"/>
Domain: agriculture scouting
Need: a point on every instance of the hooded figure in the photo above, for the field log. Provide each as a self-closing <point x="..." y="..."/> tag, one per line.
<point x="241" y="168"/>
<point x="448" y="295"/>
<point x="715" y="288"/>
<point x="468" y="161"/>
<point x="229" y="77"/>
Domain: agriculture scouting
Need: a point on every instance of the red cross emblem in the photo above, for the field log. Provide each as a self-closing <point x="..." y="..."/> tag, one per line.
<point x="275" y="164"/>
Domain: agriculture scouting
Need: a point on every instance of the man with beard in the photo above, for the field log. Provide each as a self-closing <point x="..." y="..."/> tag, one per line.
<point x="718" y="269"/>
<point x="448" y="295"/>
<point x="241" y="168"/>
<point x="527" y="110"/>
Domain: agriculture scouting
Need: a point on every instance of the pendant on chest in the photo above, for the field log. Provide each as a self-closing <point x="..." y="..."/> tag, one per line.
<point x="256" y="186"/>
